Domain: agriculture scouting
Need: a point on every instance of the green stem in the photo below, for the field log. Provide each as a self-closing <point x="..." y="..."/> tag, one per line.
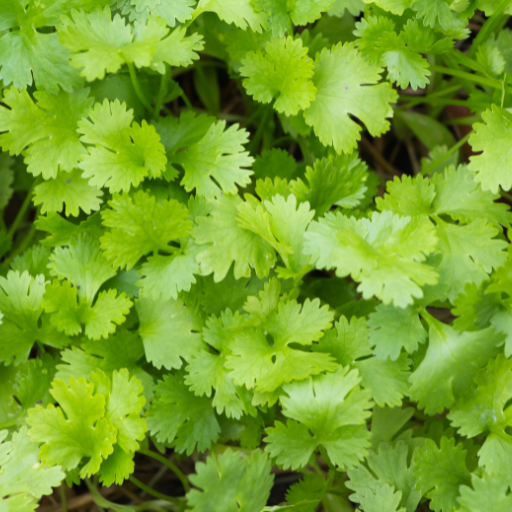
<point x="506" y="195"/>
<point x="160" y="458"/>
<point x="253" y="146"/>
<point x="137" y="88"/>
<point x="8" y="424"/>
<point x="481" y="80"/>
<point x="102" y="502"/>
<point x="443" y="157"/>
<point x="154" y="493"/>
<point x="186" y="100"/>
<point x="489" y="26"/>
<point x="162" y="91"/>
<point x="63" y="498"/>
<point x="23" y="210"/>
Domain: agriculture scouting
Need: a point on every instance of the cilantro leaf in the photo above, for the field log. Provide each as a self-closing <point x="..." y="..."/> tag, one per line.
<point x="379" y="41"/>
<point x="451" y="362"/>
<point x="393" y="6"/>
<point x="490" y="137"/>
<point x="218" y="156"/>
<point x="207" y="372"/>
<point x="393" y="328"/>
<point x="48" y="128"/>
<point x="385" y="379"/>
<point x="170" y="10"/>
<point x="96" y="52"/>
<point x="83" y="432"/>
<point x="345" y="84"/>
<point x="385" y="253"/>
<point x="440" y="472"/>
<point x="330" y="406"/>
<point x="178" y="416"/>
<point x="487" y="493"/>
<point x="228" y="243"/>
<point x="239" y="12"/>
<point x="139" y="225"/>
<point x="282" y="71"/>
<point x="124" y="153"/>
<point x="169" y="330"/>
<point x="28" y="56"/>
<point x="70" y="303"/>
<point x="124" y="402"/>
<point x="484" y="409"/>
<point x="389" y="466"/>
<point x="230" y="481"/>
<point x="337" y="180"/>
<point x="68" y="191"/>
<point x="266" y="363"/>
<point x="123" y="350"/>
<point x="21" y="302"/>
<point x="23" y="479"/>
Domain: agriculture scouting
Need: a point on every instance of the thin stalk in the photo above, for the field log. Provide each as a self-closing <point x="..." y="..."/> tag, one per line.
<point x="102" y="502"/>
<point x="186" y="100"/>
<point x="253" y="146"/>
<point x="23" y="210"/>
<point x="160" y="458"/>
<point x="137" y="88"/>
<point x="154" y="493"/>
<point x="506" y="195"/>
<point x="489" y="27"/>
<point x="8" y="424"/>
<point x="481" y="80"/>
<point x="443" y="157"/>
<point x="63" y="498"/>
<point x="162" y="91"/>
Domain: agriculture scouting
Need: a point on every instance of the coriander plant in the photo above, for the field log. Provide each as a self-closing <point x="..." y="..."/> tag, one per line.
<point x="254" y="255"/>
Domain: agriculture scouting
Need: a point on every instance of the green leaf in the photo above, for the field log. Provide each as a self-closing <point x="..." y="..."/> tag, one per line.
<point x="334" y="409"/>
<point x="345" y="84"/>
<point x="124" y="403"/>
<point x="451" y="362"/>
<point x="28" y="56"/>
<point x="70" y="303"/>
<point x="440" y="472"/>
<point x="228" y="243"/>
<point x="178" y="416"/>
<point x="140" y="225"/>
<point x="339" y="180"/>
<point x="385" y="253"/>
<point x="21" y="299"/>
<point x="390" y="466"/>
<point x="282" y="71"/>
<point x="491" y="138"/>
<point x="392" y="6"/>
<point x="487" y="493"/>
<point x="122" y="350"/>
<point x="262" y="358"/>
<point x="83" y="432"/>
<point x="392" y="329"/>
<point x="170" y="331"/>
<point x="23" y="479"/>
<point x="282" y="14"/>
<point x="68" y="191"/>
<point x="230" y="482"/>
<point x="239" y="12"/>
<point x="96" y="52"/>
<point x="310" y="489"/>
<point x="48" y="128"/>
<point x="216" y="163"/>
<point x="124" y="153"/>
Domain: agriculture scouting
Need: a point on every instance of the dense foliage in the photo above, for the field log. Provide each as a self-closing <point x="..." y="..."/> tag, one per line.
<point x="199" y="267"/>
